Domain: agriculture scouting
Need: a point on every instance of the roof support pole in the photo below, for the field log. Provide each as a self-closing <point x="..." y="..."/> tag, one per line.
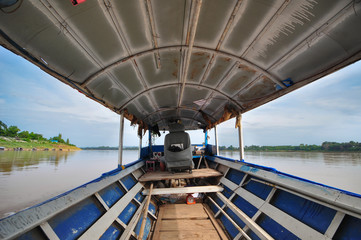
<point x="121" y="133"/>
<point x="216" y="139"/>
<point x="240" y="137"/>
<point x="206" y="138"/>
<point x="140" y="145"/>
<point x="150" y="142"/>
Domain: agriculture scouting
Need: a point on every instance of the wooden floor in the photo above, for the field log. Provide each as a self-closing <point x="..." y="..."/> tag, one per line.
<point x="182" y="221"/>
<point x="165" y="175"/>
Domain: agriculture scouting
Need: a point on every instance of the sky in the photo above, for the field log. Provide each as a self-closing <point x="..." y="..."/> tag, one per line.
<point x="325" y="110"/>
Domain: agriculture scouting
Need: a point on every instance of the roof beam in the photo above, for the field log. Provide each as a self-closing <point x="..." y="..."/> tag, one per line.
<point x="57" y="19"/>
<point x="175" y="84"/>
<point x="219" y="86"/>
<point x="223" y="36"/>
<point x="334" y="20"/>
<point x="177" y="48"/>
<point x="114" y="21"/>
<point x="193" y="119"/>
<point x="192" y="28"/>
<point x="229" y="23"/>
<point x="266" y="28"/>
<point x="150" y="16"/>
<point x="251" y="83"/>
<point x="337" y="66"/>
<point x="109" y="14"/>
<point x="174" y="108"/>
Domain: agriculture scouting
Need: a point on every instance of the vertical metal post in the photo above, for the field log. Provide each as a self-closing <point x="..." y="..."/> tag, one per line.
<point x="150" y="143"/>
<point x="240" y="137"/>
<point x="120" y="149"/>
<point x="216" y="139"/>
<point x="140" y="145"/>
<point x="206" y="138"/>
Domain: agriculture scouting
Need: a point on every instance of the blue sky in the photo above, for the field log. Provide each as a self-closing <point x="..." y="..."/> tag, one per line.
<point x="326" y="110"/>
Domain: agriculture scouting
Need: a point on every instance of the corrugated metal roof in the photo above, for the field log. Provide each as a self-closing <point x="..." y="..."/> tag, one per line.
<point x="164" y="60"/>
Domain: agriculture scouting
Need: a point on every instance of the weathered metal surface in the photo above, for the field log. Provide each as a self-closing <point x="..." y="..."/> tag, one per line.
<point x="335" y="198"/>
<point x="266" y="201"/>
<point x="14" y="225"/>
<point x="120" y="52"/>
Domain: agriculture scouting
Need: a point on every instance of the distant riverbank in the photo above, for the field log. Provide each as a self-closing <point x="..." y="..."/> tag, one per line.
<point x="8" y="143"/>
<point x="325" y="147"/>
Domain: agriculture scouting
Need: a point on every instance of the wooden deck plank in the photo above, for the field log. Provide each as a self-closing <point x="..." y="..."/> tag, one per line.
<point x="158" y="225"/>
<point x="182" y="221"/>
<point x="215" y="223"/>
<point x="184" y="211"/>
<point x="187" y="225"/>
<point x="189" y="235"/>
<point x="196" y="173"/>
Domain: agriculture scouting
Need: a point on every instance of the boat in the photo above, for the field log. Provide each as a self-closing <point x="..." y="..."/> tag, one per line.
<point x="198" y="63"/>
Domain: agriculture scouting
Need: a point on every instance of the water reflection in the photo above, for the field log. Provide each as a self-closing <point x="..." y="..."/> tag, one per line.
<point x="24" y="160"/>
<point x="342" y="159"/>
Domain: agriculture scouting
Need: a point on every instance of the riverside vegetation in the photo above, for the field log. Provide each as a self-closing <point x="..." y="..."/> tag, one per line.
<point x="13" y="138"/>
<point x="325" y="147"/>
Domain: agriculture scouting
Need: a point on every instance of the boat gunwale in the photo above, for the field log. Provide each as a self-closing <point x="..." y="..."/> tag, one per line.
<point x="31" y="217"/>
<point x="338" y="199"/>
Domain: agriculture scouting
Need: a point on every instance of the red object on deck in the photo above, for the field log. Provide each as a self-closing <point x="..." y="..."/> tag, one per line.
<point x="190" y="199"/>
<point x="162" y="166"/>
<point x="76" y="2"/>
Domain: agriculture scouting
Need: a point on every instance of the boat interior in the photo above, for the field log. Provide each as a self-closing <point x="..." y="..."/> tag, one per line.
<point x="220" y="198"/>
<point x="197" y="63"/>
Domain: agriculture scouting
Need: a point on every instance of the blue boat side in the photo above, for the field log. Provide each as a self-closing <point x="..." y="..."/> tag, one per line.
<point x="71" y="215"/>
<point x="285" y="206"/>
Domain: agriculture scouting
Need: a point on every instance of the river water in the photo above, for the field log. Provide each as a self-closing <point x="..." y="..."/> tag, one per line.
<point x="28" y="178"/>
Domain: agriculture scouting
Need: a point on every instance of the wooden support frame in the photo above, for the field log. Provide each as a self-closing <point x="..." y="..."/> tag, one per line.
<point x="182" y="190"/>
<point x="295" y="226"/>
<point x="145" y="213"/>
<point x="130" y="228"/>
<point x="230" y="219"/>
<point x="216" y="225"/>
<point x="196" y="173"/>
<point x="204" y="160"/>
<point x="336" y="221"/>
<point x="262" y="234"/>
<point x="48" y="231"/>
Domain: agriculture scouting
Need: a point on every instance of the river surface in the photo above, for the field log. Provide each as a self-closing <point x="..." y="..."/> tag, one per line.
<point x="28" y="178"/>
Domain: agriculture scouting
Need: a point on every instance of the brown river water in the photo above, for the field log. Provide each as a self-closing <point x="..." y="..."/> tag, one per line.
<point x="29" y="178"/>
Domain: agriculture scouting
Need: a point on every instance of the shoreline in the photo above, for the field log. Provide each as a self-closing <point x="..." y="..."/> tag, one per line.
<point x="12" y="144"/>
<point x="39" y="149"/>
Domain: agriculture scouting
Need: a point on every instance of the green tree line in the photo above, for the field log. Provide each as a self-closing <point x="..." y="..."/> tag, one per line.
<point x="15" y="132"/>
<point x="325" y="147"/>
